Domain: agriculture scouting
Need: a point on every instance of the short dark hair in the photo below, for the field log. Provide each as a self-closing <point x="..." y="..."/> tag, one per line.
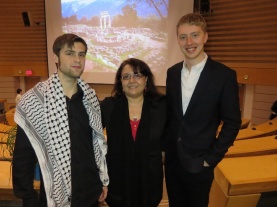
<point x="138" y="66"/>
<point x="67" y="39"/>
<point x="192" y="19"/>
<point x="18" y="91"/>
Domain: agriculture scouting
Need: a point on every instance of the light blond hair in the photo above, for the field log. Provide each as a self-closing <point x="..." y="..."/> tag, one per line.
<point x="192" y="19"/>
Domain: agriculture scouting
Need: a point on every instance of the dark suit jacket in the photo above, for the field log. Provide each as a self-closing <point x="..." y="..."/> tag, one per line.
<point x="192" y="137"/>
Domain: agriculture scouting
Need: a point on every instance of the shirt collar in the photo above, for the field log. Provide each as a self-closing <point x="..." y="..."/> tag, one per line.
<point x="197" y="68"/>
<point x="78" y="93"/>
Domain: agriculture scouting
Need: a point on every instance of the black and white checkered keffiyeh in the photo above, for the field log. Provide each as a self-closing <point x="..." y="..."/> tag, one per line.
<point x="42" y="114"/>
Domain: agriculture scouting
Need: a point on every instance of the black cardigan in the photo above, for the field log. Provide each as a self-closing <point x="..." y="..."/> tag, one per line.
<point x="135" y="167"/>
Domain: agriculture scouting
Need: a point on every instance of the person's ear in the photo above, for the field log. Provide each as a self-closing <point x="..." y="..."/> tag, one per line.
<point x="56" y="59"/>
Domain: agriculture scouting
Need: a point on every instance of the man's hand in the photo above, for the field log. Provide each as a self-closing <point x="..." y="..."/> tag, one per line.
<point x="103" y="195"/>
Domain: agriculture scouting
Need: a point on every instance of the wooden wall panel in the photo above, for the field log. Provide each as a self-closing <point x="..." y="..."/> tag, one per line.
<point x="257" y="76"/>
<point x="20" y="45"/>
<point x="264" y="97"/>
<point x="243" y="35"/>
<point x="8" y="87"/>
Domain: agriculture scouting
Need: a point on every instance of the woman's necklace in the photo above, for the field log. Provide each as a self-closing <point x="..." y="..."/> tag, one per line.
<point x="135" y="111"/>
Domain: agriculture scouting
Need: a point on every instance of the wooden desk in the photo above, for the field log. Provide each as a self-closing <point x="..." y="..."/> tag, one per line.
<point x="244" y="123"/>
<point x="5" y="128"/>
<point x="4" y="153"/>
<point x="249" y="133"/>
<point x="3" y="103"/>
<point x="6" y="187"/>
<point x="266" y="129"/>
<point x="239" y="182"/>
<point x="10" y="117"/>
<point x="269" y="127"/>
<point x="6" y="191"/>
<point x="253" y="147"/>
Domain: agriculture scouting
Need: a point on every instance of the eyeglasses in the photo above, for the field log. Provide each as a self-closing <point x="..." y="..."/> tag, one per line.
<point x="127" y="76"/>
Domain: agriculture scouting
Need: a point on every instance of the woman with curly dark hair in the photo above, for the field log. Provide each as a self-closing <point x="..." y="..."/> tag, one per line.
<point x="134" y="118"/>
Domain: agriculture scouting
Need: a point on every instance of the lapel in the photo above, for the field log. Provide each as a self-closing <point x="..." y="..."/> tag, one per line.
<point x="178" y="89"/>
<point x="145" y="122"/>
<point x="200" y="88"/>
<point x="121" y="122"/>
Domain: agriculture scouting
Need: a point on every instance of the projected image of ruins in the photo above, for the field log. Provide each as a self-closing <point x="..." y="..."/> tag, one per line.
<point x="118" y="29"/>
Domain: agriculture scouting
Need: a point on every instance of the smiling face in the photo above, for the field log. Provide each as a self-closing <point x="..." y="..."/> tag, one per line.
<point x="134" y="87"/>
<point x="191" y="39"/>
<point x="71" y="61"/>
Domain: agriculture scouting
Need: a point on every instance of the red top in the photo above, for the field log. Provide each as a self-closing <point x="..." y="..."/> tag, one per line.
<point x="134" y="127"/>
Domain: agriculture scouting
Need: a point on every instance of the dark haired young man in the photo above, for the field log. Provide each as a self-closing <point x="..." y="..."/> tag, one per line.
<point x="59" y="126"/>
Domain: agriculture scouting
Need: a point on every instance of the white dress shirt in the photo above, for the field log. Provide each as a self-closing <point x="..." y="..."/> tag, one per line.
<point x="189" y="79"/>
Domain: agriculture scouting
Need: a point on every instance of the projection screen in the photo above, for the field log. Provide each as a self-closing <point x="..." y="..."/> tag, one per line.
<point x="118" y="29"/>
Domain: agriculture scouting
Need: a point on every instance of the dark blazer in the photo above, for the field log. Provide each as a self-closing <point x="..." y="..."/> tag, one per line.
<point x="135" y="167"/>
<point x="192" y="137"/>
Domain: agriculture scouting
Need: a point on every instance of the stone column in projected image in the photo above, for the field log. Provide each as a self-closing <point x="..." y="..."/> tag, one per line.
<point x="103" y="20"/>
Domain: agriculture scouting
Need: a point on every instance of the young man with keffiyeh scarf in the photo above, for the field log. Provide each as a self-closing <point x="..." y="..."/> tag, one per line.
<point x="59" y="126"/>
